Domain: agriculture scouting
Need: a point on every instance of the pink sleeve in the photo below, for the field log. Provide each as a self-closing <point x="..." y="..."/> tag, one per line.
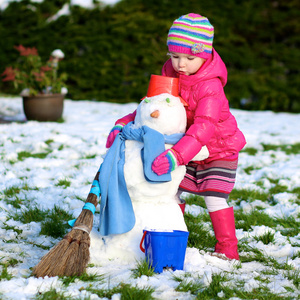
<point x="126" y="119"/>
<point x="207" y="115"/>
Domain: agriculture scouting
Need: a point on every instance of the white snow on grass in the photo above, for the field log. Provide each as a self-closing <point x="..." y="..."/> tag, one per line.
<point x="75" y="150"/>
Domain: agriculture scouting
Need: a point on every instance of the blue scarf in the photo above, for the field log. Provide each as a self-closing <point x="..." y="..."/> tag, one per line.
<point x="116" y="211"/>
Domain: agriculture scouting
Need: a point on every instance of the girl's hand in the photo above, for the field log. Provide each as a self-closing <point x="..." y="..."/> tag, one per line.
<point x="118" y="128"/>
<point x="165" y="162"/>
<point x="113" y="133"/>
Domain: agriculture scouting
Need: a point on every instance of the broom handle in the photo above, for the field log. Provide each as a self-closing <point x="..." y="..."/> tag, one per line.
<point x="89" y="208"/>
<point x="94" y="192"/>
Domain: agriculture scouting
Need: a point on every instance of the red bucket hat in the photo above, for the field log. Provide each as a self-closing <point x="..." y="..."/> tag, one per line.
<point x="162" y="84"/>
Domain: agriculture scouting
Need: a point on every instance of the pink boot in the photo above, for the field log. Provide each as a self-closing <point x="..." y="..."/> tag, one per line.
<point x="224" y="228"/>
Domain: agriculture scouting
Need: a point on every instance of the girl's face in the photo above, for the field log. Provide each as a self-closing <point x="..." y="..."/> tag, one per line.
<point x="186" y="64"/>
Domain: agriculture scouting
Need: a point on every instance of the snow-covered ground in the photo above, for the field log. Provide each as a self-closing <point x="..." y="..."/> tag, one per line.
<point x="75" y="154"/>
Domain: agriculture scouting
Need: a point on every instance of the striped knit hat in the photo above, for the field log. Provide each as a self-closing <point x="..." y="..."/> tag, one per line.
<point x="191" y="34"/>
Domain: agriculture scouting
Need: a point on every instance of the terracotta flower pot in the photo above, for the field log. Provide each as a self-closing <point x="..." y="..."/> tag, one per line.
<point x="44" y="107"/>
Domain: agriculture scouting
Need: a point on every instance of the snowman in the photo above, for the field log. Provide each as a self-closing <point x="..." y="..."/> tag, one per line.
<point x="155" y="206"/>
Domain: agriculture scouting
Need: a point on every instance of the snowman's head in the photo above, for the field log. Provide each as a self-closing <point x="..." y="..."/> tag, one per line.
<point x="164" y="113"/>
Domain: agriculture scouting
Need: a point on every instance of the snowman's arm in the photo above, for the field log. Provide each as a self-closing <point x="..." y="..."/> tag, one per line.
<point x="201" y="155"/>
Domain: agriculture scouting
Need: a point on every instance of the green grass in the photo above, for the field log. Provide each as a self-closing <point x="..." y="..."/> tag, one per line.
<point x="11" y="195"/>
<point x="249" y="170"/>
<point x="215" y="290"/>
<point x="199" y="235"/>
<point x="52" y="294"/>
<point x="26" y="154"/>
<point x="64" y="183"/>
<point x="196" y="200"/>
<point x="288" y="149"/>
<point x="190" y="287"/>
<point x="260" y="293"/>
<point x="14" y="190"/>
<point x="5" y="275"/>
<point x="219" y="289"/>
<point x="91" y="156"/>
<point x="257" y="255"/>
<point x="266" y="238"/>
<point x="142" y="268"/>
<point x="245" y="221"/>
<point x="248" y="195"/>
<point x="215" y="287"/>
<point x="127" y="291"/>
<point x="16" y="203"/>
<point x="84" y="277"/>
<point x="10" y="227"/>
<point x="291" y="226"/>
<point x="294" y="276"/>
<point x="13" y="262"/>
<point x="33" y="214"/>
<point x="49" y="142"/>
<point x="250" y="151"/>
<point x="296" y="191"/>
<point x="213" y="284"/>
<point x="60" y="120"/>
<point x="187" y="285"/>
<point x="55" y="223"/>
<point x="277" y="188"/>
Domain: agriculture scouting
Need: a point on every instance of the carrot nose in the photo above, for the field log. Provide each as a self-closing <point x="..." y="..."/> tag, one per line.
<point x="155" y="114"/>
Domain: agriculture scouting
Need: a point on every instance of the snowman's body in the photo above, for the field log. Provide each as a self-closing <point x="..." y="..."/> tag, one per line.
<point x="155" y="205"/>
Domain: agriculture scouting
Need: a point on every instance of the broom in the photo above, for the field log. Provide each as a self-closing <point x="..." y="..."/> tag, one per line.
<point x="71" y="255"/>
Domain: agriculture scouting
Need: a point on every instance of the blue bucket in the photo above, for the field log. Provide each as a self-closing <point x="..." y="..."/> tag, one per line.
<point x="165" y="249"/>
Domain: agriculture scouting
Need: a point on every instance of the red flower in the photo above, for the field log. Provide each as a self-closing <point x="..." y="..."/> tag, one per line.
<point x="26" y="51"/>
<point x="39" y="76"/>
<point x="9" y="73"/>
<point x="34" y="75"/>
<point x="46" y="68"/>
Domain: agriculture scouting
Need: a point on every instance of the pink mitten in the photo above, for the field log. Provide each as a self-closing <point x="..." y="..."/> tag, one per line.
<point x="118" y="127"/>
<point x="112" y="135"/>
<point x="165" y="162"/>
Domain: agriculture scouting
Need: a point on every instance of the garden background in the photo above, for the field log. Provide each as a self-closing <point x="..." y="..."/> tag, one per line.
<point x="111" y="51"/>
<point x="47" y="168"/>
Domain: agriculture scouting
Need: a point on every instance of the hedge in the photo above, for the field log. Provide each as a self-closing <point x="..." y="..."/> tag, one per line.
<point x="110" y="52"/>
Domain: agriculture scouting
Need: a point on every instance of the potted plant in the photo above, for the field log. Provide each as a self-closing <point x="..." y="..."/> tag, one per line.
<point x="43" y="91"/>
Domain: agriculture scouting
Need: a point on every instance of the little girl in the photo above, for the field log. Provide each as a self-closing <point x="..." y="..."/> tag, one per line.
<point x="202" y="76"/>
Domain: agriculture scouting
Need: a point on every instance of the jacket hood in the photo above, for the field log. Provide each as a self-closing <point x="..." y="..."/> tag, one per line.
<point x="212" y="68"/>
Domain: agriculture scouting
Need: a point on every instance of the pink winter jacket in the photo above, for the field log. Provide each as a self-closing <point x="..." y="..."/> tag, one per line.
<point x="209" y="120"/>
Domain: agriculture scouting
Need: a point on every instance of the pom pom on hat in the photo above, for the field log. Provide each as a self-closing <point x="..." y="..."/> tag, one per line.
<point x="191" y="34"/>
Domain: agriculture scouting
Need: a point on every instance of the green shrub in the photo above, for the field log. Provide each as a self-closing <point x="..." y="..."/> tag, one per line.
<point x="112" y="51"/>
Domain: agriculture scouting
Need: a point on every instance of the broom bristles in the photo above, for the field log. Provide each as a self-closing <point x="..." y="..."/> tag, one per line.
<point x="71" y="255"/>
<point x="83" y="254"/>
<point x="78" y="256"/>
<point x="42" y="268"/>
